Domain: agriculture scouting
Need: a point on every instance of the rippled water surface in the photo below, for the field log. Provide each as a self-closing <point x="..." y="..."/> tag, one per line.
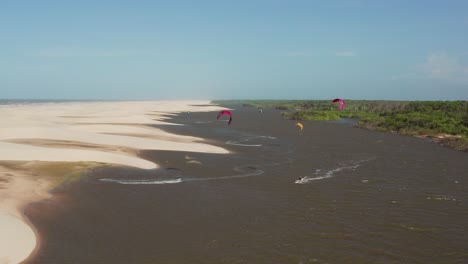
<point x="332" y="194"/>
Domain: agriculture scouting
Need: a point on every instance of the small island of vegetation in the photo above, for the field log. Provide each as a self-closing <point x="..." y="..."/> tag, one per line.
<point x="445" y="122"/>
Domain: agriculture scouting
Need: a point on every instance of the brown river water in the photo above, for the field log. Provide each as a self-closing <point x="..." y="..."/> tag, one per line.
<point x="365" y="197"/>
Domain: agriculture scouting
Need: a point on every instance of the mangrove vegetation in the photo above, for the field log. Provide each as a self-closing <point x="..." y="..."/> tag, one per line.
<point x="445" y="122"/>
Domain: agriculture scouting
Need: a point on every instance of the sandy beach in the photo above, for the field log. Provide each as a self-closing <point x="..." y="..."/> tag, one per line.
<point x="98" y="133"/>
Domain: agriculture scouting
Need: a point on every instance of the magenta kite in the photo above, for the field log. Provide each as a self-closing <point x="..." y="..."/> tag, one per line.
<point x="225" y="112"/>
<point x="342" y="103"/>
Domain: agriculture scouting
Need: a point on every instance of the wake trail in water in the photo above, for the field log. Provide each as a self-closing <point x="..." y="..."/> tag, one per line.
<point x="246" y="171"/>
<point x="234" y="143"/>
<point x="255" y="172"/>
<point x="243" y="171"/>
<point x="247" y="138"/>
<point x="124" y="181"/>
<point x="330" y="173"/>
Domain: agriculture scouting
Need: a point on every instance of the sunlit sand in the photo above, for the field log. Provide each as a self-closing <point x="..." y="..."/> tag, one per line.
<point x="100" y="132"/>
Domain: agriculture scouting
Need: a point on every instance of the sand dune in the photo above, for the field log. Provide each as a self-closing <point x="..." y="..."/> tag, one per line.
<point x="105" y="132"/>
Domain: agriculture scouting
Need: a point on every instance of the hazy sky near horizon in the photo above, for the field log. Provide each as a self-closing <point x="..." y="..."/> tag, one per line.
<point x="245" y="49"/>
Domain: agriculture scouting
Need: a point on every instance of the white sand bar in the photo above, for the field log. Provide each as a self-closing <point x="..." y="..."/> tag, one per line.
<point x="111" y="132"/>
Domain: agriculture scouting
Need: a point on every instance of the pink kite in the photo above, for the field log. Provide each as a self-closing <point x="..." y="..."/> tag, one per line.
<point x="225" y="112"/>
<point x="342" y="103"/>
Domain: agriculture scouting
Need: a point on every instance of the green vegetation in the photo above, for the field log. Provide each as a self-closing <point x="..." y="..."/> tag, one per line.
<point x="61" y="172"/>
<point x="444" y="121"/>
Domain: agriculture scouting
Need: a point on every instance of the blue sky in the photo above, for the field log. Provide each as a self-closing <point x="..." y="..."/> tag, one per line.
<point x="243" y="49"/>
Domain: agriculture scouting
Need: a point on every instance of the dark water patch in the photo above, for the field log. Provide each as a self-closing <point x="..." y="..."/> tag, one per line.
<point x="346" y="121"/>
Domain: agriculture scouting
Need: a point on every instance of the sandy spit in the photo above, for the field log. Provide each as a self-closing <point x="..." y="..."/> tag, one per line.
<point x="103" y="132"/>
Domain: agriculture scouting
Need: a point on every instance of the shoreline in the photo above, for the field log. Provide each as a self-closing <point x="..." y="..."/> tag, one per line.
<point x="442" y="121"/>
<point x="441" y="139"/>
<point x="23" y="189"/>
<point x="70" y="133"/>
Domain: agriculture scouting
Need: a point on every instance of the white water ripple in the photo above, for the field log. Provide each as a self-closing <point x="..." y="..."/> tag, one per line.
<point x="245" y="171"/>
<point x="124" y="181"/>
<point x="247" y="138"/>
<point x="329" y="173"/>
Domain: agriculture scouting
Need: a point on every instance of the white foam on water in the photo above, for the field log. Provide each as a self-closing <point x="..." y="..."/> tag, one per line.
<point x="330" y="173"/>
<point x="244" y="170"/>
<point x="269" y="137"/>
<point x="248" y="137"/>
<point x="327" y="175"/>
<point x="442" y="198"/>
<point x="222" y="120"/>
<point x="126" y="181"/>
<point x="242" y="145"/>
<point x="255" y="172"/>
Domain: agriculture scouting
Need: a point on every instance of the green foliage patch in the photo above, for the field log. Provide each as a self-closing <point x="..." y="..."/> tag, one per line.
<point x="422" y="118"/>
